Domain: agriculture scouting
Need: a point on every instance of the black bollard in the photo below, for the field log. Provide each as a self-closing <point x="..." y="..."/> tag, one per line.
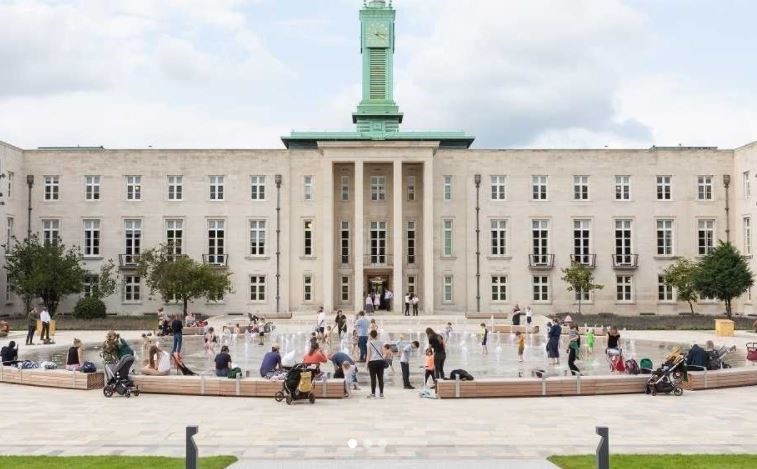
<point x="603" y="449"/>
<point x="192" y="452"/>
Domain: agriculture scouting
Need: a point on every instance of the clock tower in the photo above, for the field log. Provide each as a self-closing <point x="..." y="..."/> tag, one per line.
<point x="377" y="114"/>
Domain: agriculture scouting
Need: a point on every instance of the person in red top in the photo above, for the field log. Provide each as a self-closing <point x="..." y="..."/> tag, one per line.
<point x="314" y="356"/>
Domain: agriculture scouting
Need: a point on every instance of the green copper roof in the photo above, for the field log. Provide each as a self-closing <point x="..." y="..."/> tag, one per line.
<point x="309" y="140"/>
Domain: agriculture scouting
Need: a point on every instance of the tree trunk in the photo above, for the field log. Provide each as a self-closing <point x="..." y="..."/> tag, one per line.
<point x="691" y="307"/>
<point x="728" y="308"/>
<point x="580" y="297"/>
<point x="185" y="306"/>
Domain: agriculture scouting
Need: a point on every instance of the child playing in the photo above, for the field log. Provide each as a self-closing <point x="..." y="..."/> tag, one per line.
<point x="389" y="356"/>
<point x="429" y="367"/>
<point x="355" y="350"/>
<point x="350" y="378"/>
<point x="520" y="339"/>
<point x="448" y="331"/>
<point x="484" y="339"/>
<point x="590" y="341"/>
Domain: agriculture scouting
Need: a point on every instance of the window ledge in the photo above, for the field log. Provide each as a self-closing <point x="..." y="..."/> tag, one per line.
<point x="308" y="258"/>
<point x="257" y="258"/>
<point x="131" y="302"/>
<point x="665" y="258"/>
<point x="448" y="258"/>
<point x="619" y="302"/>
<point x="93" y="258"/>
<point x="499" y="258"/>
<point x="544" y="302"/>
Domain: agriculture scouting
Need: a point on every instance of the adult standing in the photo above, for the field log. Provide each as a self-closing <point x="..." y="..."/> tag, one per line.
<point x="407" y="350"/>
<point x="436" y="342"/>
<point x="44" y="317"/>
<point x="388" y="297"/>
<point x="361" y="325"/>
<point x="574" y="344"/>
<point x="376" y="302"/>
<point x="376" y="364"/>
<point x="340" y="323"/>
<point x="368" y="304"/>
<point x="415" y="302"/>
<point x="177" y="327"/>
<point x="407" y="305"/>
<point x="31" y="326"/>
<point x="553" y="343"/>
<point x="613" y="339"/>
<point x="320" y="323"/>
<point x="529" y="315"/>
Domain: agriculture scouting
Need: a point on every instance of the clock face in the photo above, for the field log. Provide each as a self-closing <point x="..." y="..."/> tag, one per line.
<point x="377" y="35"/>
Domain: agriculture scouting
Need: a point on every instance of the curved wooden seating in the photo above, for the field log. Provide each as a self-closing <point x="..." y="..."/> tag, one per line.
<point x="52" y="378"/>
<point x="213" y="386"/>
<point x="486" y="315"/>
<point x="728" y="378"/>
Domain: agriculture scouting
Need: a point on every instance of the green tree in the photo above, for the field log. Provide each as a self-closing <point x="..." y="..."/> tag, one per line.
<point x="680" y="275"/>
<point x="723" y="274"/>
<point x="107" y="280"/>
<point x="182" y="278"/>
<point x="580" y="279"/>
<point x="45" y="270"/>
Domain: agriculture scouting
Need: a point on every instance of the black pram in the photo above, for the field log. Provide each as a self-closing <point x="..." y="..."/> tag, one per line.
<point x="117" y="378"/>
<point x="298" y="384"/>
<point x="668" y="377"/>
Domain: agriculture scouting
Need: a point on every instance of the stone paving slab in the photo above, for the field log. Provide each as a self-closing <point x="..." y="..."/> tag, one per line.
<point x="396" y="464"/>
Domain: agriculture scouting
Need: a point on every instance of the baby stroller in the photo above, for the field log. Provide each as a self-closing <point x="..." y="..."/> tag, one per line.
<point x="117" y="378"/>
<point x="751" y="352"/>
<point x="716" y="358"/>
<point x="668" y="377"/>
<point x="615" y="359"/>
<point x="298" y="384"/>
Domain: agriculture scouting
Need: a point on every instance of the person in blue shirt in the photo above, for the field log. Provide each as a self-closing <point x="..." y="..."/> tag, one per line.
<point x="338" y="359"/>
<point x="362" y="327"/>
<point x="271" y="362"/>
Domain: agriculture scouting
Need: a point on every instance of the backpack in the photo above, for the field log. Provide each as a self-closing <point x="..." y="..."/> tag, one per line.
<point x="88" y="367"/>
<point x="28" y="365"/>
<point x="646" y="364"/>
<point x="306" y="382"/>
<point x="632" y="368"/>
<point x="462" y="374"/>
<point x="48" y="365"/>
<point x="234" y="372"/>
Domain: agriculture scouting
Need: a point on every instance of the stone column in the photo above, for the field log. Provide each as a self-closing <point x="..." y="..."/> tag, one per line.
<point x="327" y="226"/>
<point x="357" y="238"/>
<point x="427" y="300"/>
<point x="397" y="238"/>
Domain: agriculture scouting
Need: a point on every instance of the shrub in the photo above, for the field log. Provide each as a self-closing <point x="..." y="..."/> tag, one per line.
<point x="89" y="308"/>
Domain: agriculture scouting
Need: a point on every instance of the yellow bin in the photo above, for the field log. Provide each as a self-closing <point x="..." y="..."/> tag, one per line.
<point x="723" y="327"/>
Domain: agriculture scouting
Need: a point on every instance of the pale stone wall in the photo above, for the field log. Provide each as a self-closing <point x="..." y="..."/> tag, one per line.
<point x="13" y="207"/>
<point x="745" y="160"/>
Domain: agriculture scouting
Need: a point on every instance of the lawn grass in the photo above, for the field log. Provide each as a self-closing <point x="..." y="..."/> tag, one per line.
<point x="660" y="461"/>
<point x="109" y="462"/>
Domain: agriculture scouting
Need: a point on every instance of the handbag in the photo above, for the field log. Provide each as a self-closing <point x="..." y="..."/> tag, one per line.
<point x="386" y="362"/>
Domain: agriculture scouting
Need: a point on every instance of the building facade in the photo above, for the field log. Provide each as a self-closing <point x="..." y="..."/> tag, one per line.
<point x="334" y="216"/>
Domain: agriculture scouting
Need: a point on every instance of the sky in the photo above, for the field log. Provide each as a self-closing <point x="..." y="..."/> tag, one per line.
<point x="512" y="73"/>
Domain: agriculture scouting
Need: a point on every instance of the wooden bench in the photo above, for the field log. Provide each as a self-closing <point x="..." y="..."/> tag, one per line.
<point x="508" y="329"/>
<point x="728" y="378"/>
<point x="192" y="331"/>
<point x="52" y="378"/>
<point x="241" y="387"/>
<point x="538" y="387"/>
<point x="487" y="315"/>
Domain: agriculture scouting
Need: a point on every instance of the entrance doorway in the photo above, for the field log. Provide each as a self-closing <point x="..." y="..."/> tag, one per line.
<point x="376" y="285"/>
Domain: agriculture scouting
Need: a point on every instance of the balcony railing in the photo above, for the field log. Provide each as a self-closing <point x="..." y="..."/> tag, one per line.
<point x="541" y="261"/>
<point x="625" y="261"/>
<point x="377" y="260"/>
<point x="218" y="260"/>
<point x="588" y="260"/>
<point x="128" y="261"/>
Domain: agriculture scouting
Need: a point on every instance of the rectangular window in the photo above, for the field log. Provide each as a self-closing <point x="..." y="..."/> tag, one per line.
<point x="378" y="242"/>
<point x="92" y="187"/>
<point x="257" y="237"/>
<point x="308" y="187"/>
<point x="499" y="237"/>
<point x="8" y="289"/>
<point x="133" y="187"/>
<point x="499" y="288"/>
<point x="411" y="242"/>
<point x="52" y="187"/>
<point x="540" y="288"/>
<point x="540" y="241"/>
<point x="307" y="288"/>
<point x="705" y="236"/>
<point x="216" y="187"/>
<point x="622" y="187"/>
<point x="257" y="187"/>
<point x="10" y="184"/>
<point x="175" y="237"/>
<point x="582" y="241"/>
<point x="10" y="232"/>
<point x="133" y="240"/>
<point x="51" y="231"/>
<point x="411" y="188"/>
<point x="344" y="242"/>
<point x="538" y="187"/>
<point x="216" y="242"/>
<point x="498" y="187"/>
<point x="378" y="188"/>
<point x="624" y="288"/>
<point x="257" y="287"/>
<point x="747" y="187"/>
<point x="747" y="223"/>
<point x="582" y="296"/>
<point x="447" y="188"/>
<point x="345" y="289"/>
<point x="92" y="237"/>
<point x="664" y="292"/>
<point x="132" y="288"/>
<point x="307" y="238"/>
<point x="447" y="287"/>
<point x="665" y="237"/>
<point x="580" y="187"/>
<point x="447" y="237"/>
<point x="175" y="187"/>
<point x="411" y="284"/>
<point x="664" y="188"/>
<point x="90" y="285"/>
<point x="345" y="188"/>
<point x="704" y="187"/>
<point x="623" y="248"/>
